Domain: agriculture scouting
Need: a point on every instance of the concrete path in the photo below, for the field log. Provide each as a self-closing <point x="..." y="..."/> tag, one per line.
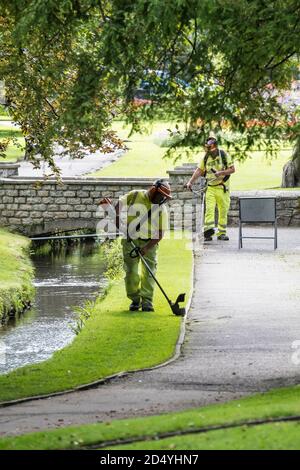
<point x="69" y="166"/>
<point x="244" y="318"/>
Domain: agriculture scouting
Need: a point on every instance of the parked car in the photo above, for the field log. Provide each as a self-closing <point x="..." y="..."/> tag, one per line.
<point x="156" y="83"/>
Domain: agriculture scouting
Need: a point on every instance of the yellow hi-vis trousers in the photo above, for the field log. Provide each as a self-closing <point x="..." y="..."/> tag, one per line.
<point x="139" y="286"/>
<point x="215" y="195"/>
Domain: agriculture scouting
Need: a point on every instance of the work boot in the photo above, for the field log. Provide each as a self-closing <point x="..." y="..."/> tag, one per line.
<point x="147" y="306"/>
<point x="208" y="234"/>
<point x="223" y="237"/>
<point x="207" y="239"/>
<point x="135" y="305"/>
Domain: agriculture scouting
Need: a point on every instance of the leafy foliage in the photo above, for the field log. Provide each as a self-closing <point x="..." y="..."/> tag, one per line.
<point x="112" y="253"/>
<point x="71" y="66"/>
<point x="82" y="315"/>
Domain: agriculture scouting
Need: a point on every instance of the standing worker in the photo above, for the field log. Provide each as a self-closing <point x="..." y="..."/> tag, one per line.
<point x="216" y="168"/>
<point x="146" y="221"/>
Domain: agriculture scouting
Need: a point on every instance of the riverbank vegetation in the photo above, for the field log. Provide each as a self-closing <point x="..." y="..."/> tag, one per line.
<point x="16" y="274"/>
<point x="113" y="339"/>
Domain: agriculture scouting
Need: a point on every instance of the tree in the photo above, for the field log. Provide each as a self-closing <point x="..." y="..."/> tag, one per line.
<point x="74" y="64"/>
<point x="291" y="170"/>
<point x="54" y="89"/>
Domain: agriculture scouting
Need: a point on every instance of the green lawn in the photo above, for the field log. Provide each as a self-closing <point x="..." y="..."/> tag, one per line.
<point x="145" y="158"/>
<point x="259" y="173"/>
<point x="113" y="339"/>
<point x="151" y="432"/>
<point x="3" y="114"/>
<point x="279" y="436"/>
<point x="13" y="153"/>
<point x="16" y="272"/>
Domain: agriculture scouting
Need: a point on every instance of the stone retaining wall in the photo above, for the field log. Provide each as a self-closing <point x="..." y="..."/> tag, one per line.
<point x="287" y="205"/>
<point x="9" y="170"/>
<point x="287" y="202"/>
<point x="33" y="206"/>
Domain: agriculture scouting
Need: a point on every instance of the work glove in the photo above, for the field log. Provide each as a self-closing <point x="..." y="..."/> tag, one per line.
<point x="135" y="252"/>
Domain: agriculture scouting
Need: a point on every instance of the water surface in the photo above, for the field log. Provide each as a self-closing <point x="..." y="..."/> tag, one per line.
<point x="65" y="278"/>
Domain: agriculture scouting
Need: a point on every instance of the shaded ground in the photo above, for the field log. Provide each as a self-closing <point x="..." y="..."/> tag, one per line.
<point x="240" y="329"/>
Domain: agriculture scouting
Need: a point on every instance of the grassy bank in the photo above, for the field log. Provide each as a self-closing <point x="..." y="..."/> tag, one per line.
<point x="16" y="273"/>
<point x="113" y="339"/>
<point x="145" y="158"/>
<point x="192" y="429"/>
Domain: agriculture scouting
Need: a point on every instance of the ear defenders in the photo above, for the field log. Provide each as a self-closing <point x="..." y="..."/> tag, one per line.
<point x="211" y="141"/>
<point x="160" y="186"/>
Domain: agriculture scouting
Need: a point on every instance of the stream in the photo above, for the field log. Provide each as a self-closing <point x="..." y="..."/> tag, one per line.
<point x="65" y="278"/>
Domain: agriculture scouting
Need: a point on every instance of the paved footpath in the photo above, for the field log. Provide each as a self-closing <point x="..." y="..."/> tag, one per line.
<point x="244" y="318"/>
<point x="69" y="167"/>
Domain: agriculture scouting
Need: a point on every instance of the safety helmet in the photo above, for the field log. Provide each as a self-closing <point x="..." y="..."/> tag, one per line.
<point x="160" y="186"/>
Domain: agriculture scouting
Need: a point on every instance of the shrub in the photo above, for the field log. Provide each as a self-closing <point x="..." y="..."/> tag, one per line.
<point x="112" y="252"/>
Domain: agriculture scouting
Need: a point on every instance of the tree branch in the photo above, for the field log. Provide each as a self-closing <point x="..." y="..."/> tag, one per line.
<point x="286" y="58"/>
<point x="52" y="107"/>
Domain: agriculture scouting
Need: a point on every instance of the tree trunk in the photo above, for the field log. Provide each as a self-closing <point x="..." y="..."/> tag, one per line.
<point x="291" y="170"/>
